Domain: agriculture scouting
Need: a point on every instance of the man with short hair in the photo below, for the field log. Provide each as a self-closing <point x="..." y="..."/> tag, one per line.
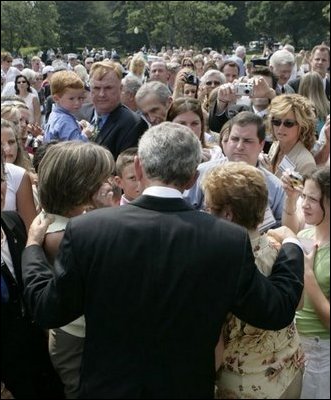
<point x="155" y="281"/>
<point x="116" y="127"/>
<point x="159" y="72"/>
<point x="130" y="85"/>
<point x="154" y="100"/>
<point x="320" y="63"/>
<point x="244" y="142"/>
<point x="281" y="63"/>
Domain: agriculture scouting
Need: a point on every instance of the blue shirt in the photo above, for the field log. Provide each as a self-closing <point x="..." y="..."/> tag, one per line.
<point x="62" y="126"/>
<point x="276" y="194"/>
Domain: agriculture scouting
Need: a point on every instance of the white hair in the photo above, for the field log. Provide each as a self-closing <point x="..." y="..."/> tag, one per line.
<point x="281" y="57"/>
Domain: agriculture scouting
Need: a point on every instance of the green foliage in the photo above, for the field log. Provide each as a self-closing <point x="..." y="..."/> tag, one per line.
<point x="178" y="23"/>
<point x="300" y="22"/>
<point x="25" y="23"/>
<point x="128" y="25"/>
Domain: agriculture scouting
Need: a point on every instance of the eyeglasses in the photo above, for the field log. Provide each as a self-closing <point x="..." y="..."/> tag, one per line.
<point x="39" y="79"/>
<point x="20" y="82"/>
<point x="215" y="83"/>
<point x="288" y="123"/>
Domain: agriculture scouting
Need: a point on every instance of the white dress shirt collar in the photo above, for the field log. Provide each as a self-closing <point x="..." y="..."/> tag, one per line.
<point x="162" y="191"/>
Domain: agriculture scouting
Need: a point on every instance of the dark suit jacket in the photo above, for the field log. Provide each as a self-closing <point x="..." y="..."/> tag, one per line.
<point x="216" y="122"/>
<point x="122" y="129"/>
<point x="155" y="280"/>
<point x="295" y="83"/>
<point x="26" y="368"/>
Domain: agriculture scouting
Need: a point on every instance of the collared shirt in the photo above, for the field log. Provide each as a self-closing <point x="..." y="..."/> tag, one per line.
<point x="102" y="119"/>
<point x="62" y="125"/>
<point x="162" y="191"/>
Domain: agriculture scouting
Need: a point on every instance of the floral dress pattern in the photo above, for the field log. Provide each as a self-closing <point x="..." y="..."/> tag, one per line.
<point x="258" y="363"/>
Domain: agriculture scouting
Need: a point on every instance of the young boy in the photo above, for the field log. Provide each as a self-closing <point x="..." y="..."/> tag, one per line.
<point x="68" y="93"/>
<point x="125" y="175"/>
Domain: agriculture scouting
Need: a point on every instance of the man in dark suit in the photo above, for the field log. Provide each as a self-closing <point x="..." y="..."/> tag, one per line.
<point x="155" y="280"/>
<point x="320" y="63"/>
<point x="116" y="126"/>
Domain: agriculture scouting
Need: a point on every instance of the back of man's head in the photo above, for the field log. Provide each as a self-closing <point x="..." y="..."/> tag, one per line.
<point x="170" y="153"/>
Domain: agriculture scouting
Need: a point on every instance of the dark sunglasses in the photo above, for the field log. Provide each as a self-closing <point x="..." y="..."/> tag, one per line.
<point x="216" y="83"/>
<point x="288" y="123"/>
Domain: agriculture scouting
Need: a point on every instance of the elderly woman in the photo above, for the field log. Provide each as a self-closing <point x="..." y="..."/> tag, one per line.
<point x="292" y="123"/>
<point x="256" y="363"/>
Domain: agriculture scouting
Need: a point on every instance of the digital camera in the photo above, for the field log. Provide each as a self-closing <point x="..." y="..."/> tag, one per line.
<point x="243" y="89"/>
<point x="296" y="180"/>
<point x="191" y="79"/>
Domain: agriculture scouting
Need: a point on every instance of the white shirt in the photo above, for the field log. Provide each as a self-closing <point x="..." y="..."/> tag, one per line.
<point x="14" y="178"/>
<point x="162" y="191"/>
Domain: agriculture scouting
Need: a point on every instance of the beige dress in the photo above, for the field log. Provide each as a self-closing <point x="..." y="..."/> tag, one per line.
<point x="258" y="364"/>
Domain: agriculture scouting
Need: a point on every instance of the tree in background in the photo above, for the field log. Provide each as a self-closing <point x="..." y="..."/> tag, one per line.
<point x="128" y="25"/>
<point x="301" y="22"/>
<point x="28" y="23"/>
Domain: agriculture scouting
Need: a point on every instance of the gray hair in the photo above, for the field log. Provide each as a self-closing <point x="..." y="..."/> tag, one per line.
<point x="240" y="51"/>
<point x="216" y="72"/>
<point x="170" y="153"/>
<point x="131" y="84"/>
<point x="281" y="57"/>
<point x="157" y="88"/>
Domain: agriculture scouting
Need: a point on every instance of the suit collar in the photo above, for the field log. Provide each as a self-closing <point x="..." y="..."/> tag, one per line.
<point x="161" y="203"/>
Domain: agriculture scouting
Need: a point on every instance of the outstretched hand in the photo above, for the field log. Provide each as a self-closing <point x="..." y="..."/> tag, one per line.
<point x="38" y="229"/>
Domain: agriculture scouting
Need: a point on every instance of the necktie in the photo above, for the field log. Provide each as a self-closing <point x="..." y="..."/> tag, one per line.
<point x="283" y="90"/>
<point x="97" y="127"/>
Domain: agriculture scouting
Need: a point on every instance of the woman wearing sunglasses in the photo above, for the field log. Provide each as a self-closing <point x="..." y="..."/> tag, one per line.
<point x="23" y="89"/>
<point x="292" y="124"/>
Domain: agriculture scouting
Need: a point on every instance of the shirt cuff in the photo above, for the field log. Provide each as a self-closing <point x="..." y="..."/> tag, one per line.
<point x="294" y="241"/>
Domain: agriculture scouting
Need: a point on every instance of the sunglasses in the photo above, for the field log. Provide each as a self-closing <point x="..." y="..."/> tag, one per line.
<point x="188" y="65"/>
<point x="288" y="123"/>
<point x="216" y="83"/>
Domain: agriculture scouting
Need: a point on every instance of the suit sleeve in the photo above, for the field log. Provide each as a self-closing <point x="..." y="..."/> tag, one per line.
<point x="54" y="295"/>
<point x="270" y="303"/>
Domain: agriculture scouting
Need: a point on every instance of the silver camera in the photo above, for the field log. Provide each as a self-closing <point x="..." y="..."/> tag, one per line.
<point x="243" y="89"/>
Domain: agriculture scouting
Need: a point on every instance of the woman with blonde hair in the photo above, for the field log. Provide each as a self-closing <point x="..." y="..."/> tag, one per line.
<point x="291" y="121"/>
<point x="137" y="67"/>
<point x="311" y="86"/>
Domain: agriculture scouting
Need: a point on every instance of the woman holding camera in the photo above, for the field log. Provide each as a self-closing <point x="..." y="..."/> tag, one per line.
<point x="292" y="123"/>
<point x="186" y="84"/>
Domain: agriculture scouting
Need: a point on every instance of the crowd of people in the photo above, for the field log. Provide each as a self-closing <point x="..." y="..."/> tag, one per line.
<point x="166" y="225"/>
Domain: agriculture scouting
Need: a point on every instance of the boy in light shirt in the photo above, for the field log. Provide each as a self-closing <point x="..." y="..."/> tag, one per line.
<point x="125" y="175"/>
<point x="68" y="93"/>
